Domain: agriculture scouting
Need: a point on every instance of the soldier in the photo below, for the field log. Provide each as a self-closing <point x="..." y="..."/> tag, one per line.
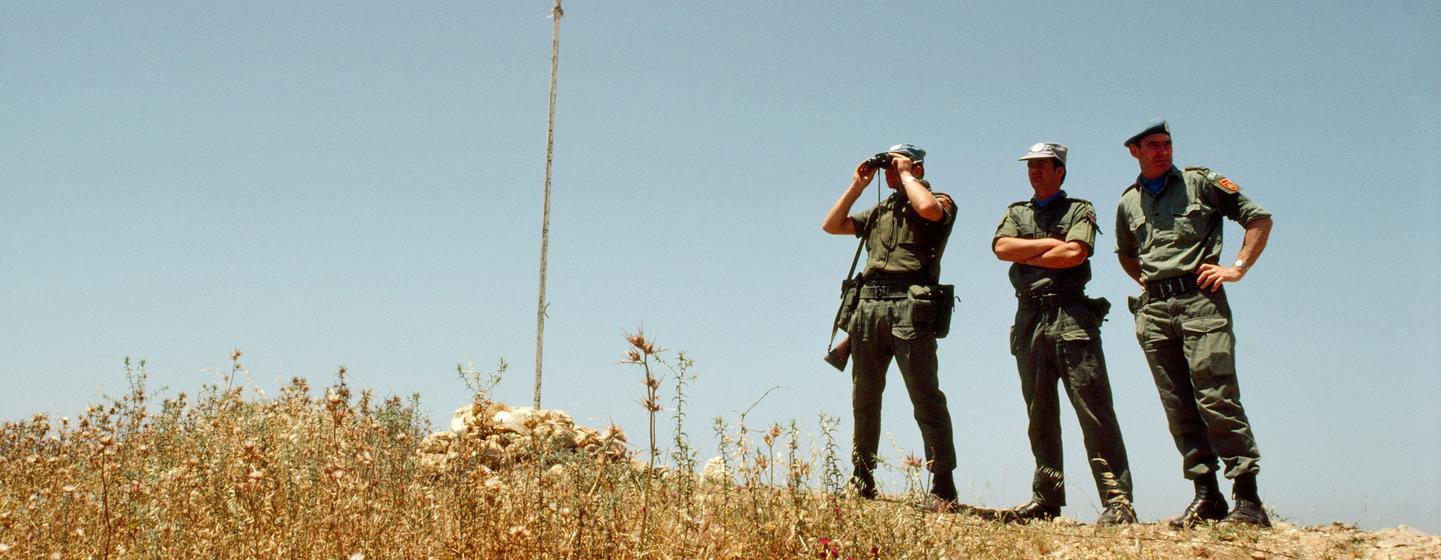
<point x="1057" y="337"/>
<point x="1168" y="239"/>
<point x="904" y="236"/>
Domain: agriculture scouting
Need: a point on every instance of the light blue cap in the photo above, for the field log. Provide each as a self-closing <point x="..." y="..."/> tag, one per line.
<point x="912" y="151"/>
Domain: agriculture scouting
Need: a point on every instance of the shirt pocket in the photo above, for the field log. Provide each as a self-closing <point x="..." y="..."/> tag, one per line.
<point x="1137" y="228"/>
<point x="1194" y="221"/>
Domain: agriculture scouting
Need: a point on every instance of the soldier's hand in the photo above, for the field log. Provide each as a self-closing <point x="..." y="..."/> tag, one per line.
<point x="864" y="173"/>
<point x="901" y="163"/>
<point x="1210" y="276"/>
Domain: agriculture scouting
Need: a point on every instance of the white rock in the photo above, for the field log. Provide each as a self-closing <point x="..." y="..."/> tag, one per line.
<point x="462" y="419"/>
<point x="716" y="472"/>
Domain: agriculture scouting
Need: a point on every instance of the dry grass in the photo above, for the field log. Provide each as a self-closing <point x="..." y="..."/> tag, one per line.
<point x="336" y="475"/>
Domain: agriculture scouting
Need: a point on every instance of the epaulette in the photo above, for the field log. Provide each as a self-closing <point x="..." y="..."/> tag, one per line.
<point x="1019" y="203"/>
<point x="1216" y="179"/>
<point x="1205" y="172"/>
<point x="1081" y="200"/>
<point x="1132" y="187"/>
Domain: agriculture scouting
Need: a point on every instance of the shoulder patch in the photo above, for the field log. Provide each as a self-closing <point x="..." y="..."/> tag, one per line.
<point x="1086" y="210"/>
<point x="1228" y="185"/>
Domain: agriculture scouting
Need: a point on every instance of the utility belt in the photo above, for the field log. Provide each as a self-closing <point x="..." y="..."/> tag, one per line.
<point x="1171" y="287"/>
<point x="1052" y="300"/>
<point x="885" y="291"/>
<point x="928" y="306"/>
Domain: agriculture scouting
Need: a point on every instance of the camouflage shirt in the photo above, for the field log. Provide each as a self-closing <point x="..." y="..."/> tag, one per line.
<point x="1064" y="218"/>
<point x="1178" y="229"/>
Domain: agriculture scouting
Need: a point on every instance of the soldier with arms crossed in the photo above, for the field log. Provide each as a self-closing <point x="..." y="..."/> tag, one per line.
<point x="905" y="235"/>
<point x="1057" y="337"/>
<point x="1168" y="239"/>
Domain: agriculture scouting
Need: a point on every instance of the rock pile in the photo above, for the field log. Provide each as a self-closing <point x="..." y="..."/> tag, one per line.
<point x="494" y="435"/>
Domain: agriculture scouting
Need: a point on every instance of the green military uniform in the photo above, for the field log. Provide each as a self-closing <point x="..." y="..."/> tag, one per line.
<point x="1057" y="337"/>
<point x="1185" y="330"/>
<point x="902" y="250"/>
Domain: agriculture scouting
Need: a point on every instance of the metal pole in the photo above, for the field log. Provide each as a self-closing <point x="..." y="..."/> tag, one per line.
<point x="555" y="16"/>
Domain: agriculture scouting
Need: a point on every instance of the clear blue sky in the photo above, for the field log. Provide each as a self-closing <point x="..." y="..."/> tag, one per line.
<point x="328" y="183"/>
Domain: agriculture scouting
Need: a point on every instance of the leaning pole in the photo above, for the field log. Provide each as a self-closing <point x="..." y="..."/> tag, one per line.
<point x="555" y="15"/>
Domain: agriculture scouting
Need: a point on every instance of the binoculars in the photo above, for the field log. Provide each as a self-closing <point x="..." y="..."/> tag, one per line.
<point x="882" y="160"/>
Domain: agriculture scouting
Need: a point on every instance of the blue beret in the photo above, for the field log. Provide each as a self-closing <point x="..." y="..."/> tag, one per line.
<point x="1149" y="128"/>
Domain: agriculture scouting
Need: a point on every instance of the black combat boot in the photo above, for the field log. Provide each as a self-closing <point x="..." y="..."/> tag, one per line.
<point x="865" y="483"/>
<point x="1209" y="504"/>
<point x="942" y="498"/>
<point x="1117" y="514"/>
<point x="943" y="486"/>
<point x="1248" y="508"/>
<point x="1028" y="512"/>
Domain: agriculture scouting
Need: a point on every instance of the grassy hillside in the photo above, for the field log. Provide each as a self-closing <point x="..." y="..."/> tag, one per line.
<point x="333" y="474"/>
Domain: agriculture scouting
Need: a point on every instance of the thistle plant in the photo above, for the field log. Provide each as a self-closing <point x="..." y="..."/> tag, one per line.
<point x="642" y="353"/>
<point x="832" y="478"/>
<point x="682" y="456"/>
<point x="481" y="383"/>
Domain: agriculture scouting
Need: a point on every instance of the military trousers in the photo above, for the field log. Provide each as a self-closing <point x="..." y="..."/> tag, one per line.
<point x="1191" y="349"/>
<point x="881" y="331"/>
<point x="1063" y="344"/>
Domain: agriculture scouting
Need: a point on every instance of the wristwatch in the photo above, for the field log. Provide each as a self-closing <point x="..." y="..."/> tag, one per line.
<point x="1239" y="265"/>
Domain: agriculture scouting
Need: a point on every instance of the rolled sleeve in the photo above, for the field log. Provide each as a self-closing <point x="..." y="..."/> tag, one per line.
<point x="858" y="221"/>
<point x="1083" y="228"/>
<point x="1125" y="240"/>
<point x="1226" y="195"/>
<point x="1007" y="228"/>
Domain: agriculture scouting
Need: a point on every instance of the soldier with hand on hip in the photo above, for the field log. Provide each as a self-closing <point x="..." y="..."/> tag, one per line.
<point x="904" y="236"/>
<point x="1168" y="239"/>
<point x="1057" y="338"/>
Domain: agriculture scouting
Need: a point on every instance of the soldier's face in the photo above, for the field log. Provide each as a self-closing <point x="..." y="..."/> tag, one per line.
<point x="1153" y="152"/>
<point x="893" y="177"/>
<point x="1044" y="174"/>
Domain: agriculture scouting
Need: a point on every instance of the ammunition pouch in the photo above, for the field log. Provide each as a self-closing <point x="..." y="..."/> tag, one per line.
<point x="1100" y="306"/>
<point x="931" y="306"/>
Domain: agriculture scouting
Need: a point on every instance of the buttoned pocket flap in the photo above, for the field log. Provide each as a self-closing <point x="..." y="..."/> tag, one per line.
<point x="1203" y="325"/>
